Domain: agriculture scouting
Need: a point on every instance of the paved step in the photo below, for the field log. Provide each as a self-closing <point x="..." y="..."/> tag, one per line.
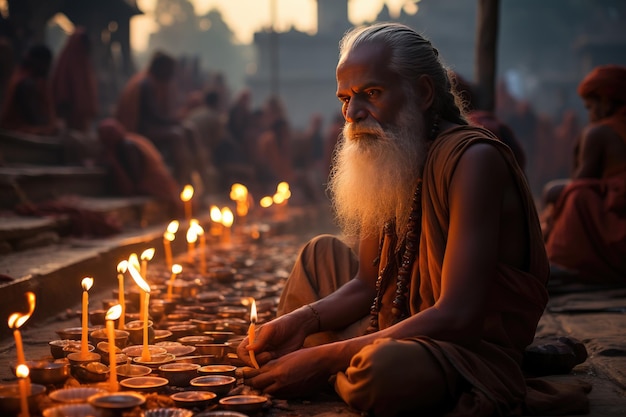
<point x="19" y="184"/>
<point x="30" y="149"/>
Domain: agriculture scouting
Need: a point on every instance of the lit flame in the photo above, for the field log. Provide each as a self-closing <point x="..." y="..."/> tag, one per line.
<point x="173" y="226"/>
<point x="133" y="260"/>
<point x="187" y="193"/>
<point x="87" y="283"/>
<point x="114" y="312"/>
<point x="122" y="266"/>
<point x="278" y="198"/>
<point x="22" y="371"/>
<point x="197" y="228"/>
<point x="253" y="316"/>
<point x="138" y="278"/>
<point x="283" y="188"/>
<point x="238" y="192"/>
<point x="216" y="214"/>
<point x="147" y="254"/>
<point x="192" y="235"/>
<point x="266" y="202"/>
<point x="177" y="269"/>
<point x="16" y="320"/>
<point x="227" y="217"/>
<point x="169" y="236"/>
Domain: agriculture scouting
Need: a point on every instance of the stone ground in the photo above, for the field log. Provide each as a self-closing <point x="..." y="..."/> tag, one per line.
<point x="595" y="316"/>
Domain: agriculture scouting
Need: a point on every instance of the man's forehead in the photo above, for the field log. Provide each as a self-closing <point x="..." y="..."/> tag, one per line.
<point x="365" y="54"/>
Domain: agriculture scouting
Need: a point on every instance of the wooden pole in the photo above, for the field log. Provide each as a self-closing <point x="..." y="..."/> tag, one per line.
<point x="486" y="53"/>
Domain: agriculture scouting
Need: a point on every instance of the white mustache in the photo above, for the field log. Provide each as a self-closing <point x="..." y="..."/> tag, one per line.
<point x="362" y="129"/>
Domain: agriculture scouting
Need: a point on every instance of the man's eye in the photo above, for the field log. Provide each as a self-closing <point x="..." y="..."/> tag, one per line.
<point x="373" y="93"/>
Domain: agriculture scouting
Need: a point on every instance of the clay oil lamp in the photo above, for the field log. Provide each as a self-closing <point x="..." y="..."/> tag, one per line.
<point x="12" y="401"/>
<point x="179" y="374"/>
<point x="47" y="373"/>
<point x="219" y="384"/>
<point x="144" y="384"/>
<point x="193" y="399"/>
<point x="70" y="410"/>
<point x="228" y="370"/>
<point x="248" y="404"/>
<point x="74" y="395"/>
<point x="168" y="412"/>
<point x="116" y="403"/>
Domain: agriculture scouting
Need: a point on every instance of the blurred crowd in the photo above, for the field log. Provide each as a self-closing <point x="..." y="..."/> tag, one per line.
<point x="166" y="130"/>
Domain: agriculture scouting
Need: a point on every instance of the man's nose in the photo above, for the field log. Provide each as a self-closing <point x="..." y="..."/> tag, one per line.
<point x="356" y="111"/>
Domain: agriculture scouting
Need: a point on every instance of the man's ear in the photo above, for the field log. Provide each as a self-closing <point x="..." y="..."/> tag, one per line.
<point x="425" y="90"/>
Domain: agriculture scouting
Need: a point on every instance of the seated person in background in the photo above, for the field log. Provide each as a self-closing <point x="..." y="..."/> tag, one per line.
<point x="74" y="83"/>
<point x="434" y="313"/>
<point x="28" y="106"/>
<point x="585" y="226"/>
<point x="488" y="120"/>
<point x="136" y="166"/>
<point x="145" y="106"/>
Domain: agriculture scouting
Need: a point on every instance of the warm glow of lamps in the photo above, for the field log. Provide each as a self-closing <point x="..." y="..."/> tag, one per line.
<point x="146" y="256"/>
<point x="22" y="372"/>
<point x="16" y="320"/>
<point x="176" y="269"/>
<point x="112" y="314"/>
<point x="192" y="237"/>
<point x="86" y="283"/>
<point x="145" y="352"/>
<point x="251" y="333"/>
<point x="216" y="221"/>
<point x="122" y="267"/>
<point x="266" y="202"/>
<point x="202" y="250"/>
<point x="186" y="196"/>
<point x="172" y="227"/>
<point x="227" y="221"/>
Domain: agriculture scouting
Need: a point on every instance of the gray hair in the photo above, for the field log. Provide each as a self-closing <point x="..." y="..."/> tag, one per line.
<point x="412" y="55"/>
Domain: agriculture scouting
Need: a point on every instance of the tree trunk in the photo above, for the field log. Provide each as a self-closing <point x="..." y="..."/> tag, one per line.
<point x="486" y="53"/>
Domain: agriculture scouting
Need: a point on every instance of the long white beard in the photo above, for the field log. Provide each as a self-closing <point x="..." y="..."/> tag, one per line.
<point x="375" y="173"/>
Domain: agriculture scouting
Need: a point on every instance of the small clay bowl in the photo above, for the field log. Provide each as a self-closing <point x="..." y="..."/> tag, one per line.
<point x="144" y="383"/>
<point x="136" y="350"/>
<point x="162" y="335"/>
<point x="218" y="349"/>
<point x="228" y="370"/>
<point x="168" y="412"/>
<point x="130" y="370"/>
<point x="221" y="413"/>
<point x="74" y="333"/>
<point x="75" y="346"/>
<point x="70" y="410"/>
<point x="180" y="350"/>
<point x="219" y="337"/>
<point x="47" y="373"/>
<point x="10" y="398"/>
<point x="248" y="404"/>
<point x="193" y="399"/>
<point x="91" y="372"/>
<point x="121" y="337"/>
<point x="195" y="340"/>
<point x="179" y="374"/>
<point x="116" y="402"/>
<point x="155" y="360"/>
<point x="57" y="347"/>
<point x="219" y="384"/>
<point x="222" y="274"/>
<point x="76" y="358"/>
<point x="168" y="305"/>
<point x="228" y="312"/>
<point x="135" y="330"/>
<point x="74" y="395"/>
<point x="199" y="359"/>
<point x="97" y="317"/>
<point x="182" y="330"/>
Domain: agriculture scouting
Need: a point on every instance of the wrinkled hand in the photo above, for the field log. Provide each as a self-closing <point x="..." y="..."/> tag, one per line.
<point x="297" y="374"/>
<point x="273" y="340"/>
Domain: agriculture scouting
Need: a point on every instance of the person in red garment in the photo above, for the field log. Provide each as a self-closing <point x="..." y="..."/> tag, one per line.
<point x="586" y="229"/>
<point x="433" y="314"/>
<point x="74" y="83"/>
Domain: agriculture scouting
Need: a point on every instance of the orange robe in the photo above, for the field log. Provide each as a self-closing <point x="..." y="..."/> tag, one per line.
<point x="589" y="230"/>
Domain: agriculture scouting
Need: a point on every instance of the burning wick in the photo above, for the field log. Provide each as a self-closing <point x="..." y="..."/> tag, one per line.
<point x="112" y="314"/>
<point x="186" y="196"/>
<point x="16" y="320"/>
<point x="122" y="267"/>
<point x="22" y="373"/>
<point x="86" y="283"/>
<point x="251" y="330"/>
<point x="145" y="352"/>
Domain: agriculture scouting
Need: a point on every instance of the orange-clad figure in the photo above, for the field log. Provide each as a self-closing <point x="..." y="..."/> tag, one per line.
<point x="28" y="105"/>
<point x="586" y="221"/>
<point x="74" y="83"/>
<point x="432" y="312"/>
<point x="146" y="106"/>
<point x="136" y="166"/>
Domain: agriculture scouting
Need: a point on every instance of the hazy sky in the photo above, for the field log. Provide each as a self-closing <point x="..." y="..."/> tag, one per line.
<point x="245" y="17"/>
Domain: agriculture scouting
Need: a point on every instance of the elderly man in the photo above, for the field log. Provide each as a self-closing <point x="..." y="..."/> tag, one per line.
<point x="451" y="265"/>
<point x="586" y="233"/>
